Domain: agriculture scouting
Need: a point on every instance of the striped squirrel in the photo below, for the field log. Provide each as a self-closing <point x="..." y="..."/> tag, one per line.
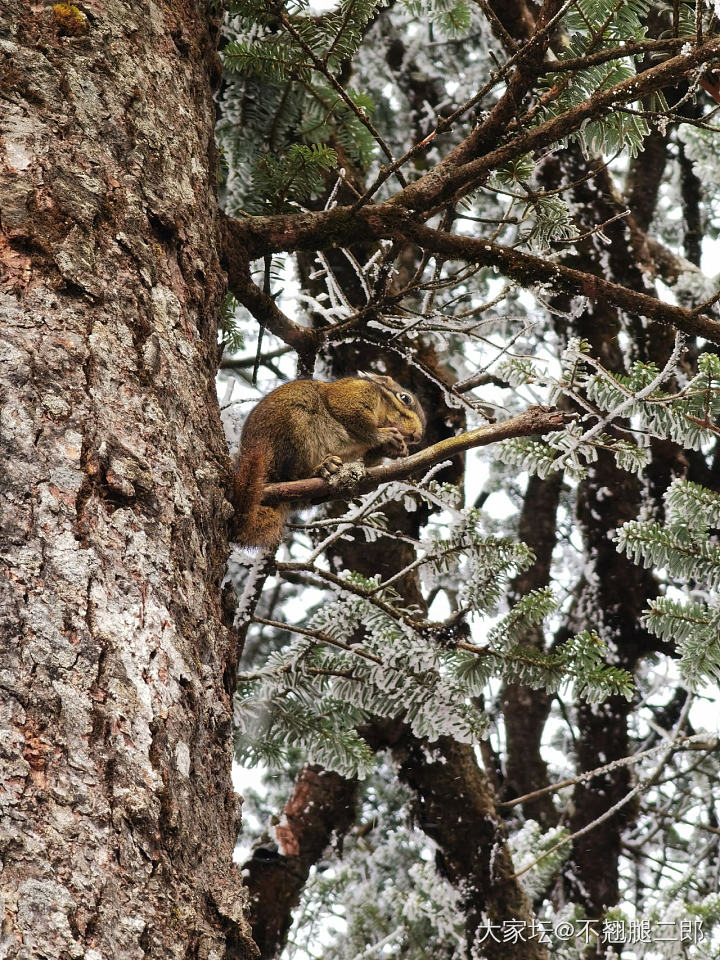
<point x="310" y="428"/>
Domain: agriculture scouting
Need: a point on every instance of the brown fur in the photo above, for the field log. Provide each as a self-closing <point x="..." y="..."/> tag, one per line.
<point x="298" y="428"/>
<point x="256" y="525"/>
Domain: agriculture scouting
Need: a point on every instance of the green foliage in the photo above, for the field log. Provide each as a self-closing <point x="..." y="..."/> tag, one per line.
<point x="344" y="29"/>
<point x="517" y="370"/>
<point x="452" y="17"/>
<point x="608" y="20"/>
<point x="686" y="20"/>
<point x="548" y="220"/>
<point x="592" y="25"/>
<point x="686" y="548"/>
<point x="528" y="612"/>
<point x="535" y="456"/>
<point x="295" y="176"/>
<point x="583" y="658"/>
<point x="568" y="450"/>
<point x="282" y="714"/>
<point x="316" y="694"/>
<point x="686" y="416"/>
<point x="231" y="335"/>
<point x="579" y="661"/>
<point x="332" y="38"/>
<point x="518" y="170"/>
<point x="681" y="549"/>
<point x="294" y="120"/>
<point x="276" y="58"/>
<point x="619" y="130"/>
<point x="326" y="116"/>
<point x="695" y="630"/>
<point x="695" y="503"/>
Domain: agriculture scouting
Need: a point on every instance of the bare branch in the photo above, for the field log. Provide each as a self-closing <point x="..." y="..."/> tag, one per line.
<point x="528" y="269"/>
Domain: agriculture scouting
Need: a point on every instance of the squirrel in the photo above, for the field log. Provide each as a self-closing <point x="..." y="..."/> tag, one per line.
<point x="310" y="428"/>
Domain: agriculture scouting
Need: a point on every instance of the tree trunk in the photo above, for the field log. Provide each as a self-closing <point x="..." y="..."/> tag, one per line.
<point x="118" y="815"/>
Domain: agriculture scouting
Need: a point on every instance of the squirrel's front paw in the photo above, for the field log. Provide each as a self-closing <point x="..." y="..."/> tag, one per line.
<point x="328" y="467"/>
<point x="393" y="442"/>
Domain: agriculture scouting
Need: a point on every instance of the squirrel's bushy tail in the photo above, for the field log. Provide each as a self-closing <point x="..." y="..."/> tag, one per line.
<point x="254" y="524"/>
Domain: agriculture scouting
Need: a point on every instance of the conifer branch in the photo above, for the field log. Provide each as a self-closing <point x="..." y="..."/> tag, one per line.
<point x="462" y="170"/>
<point x="304" y="340"/>
<point x="322" y="68"/>
<point x="528" y="60"/>
<point x="456" y="175"/>
<point x="630" y="49"/>
<point x="698" y="741"/>
<point x="642" y="786"/>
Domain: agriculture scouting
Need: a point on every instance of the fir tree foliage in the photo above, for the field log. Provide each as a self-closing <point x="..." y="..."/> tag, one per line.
<point x="452" y="17"/>
<point x="619" y="130"/>
<point x="294" y="176"/>
<point x="285" y="59"/>
<point x="230" y="333"/>
<point x="542" y="852"/>
<point x="593" y="25"/>
<point x="304" y="94"/>
<point x="609" y="19"/>
<point x="686" y="546"/>
<point x="685" y="416"/>
<point x="332" y="37"/>
<point x="368" y="656"/>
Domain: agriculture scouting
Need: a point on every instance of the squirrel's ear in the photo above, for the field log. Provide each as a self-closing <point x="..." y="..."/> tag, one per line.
<point x="366" y="375"/>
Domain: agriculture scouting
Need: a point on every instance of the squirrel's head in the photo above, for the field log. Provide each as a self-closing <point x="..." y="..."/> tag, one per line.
<point x="403" y="410"/>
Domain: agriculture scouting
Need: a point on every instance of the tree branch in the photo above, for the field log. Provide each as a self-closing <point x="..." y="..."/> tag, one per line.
<point x="535" y="420"/>
<point x="528" y="61"/>
<point x="452" y="178"/>
<point x="528" y="269"/>
<point x="315" y="231"/>
<point x="456" y="173"/>
<point x="236" y="256"/>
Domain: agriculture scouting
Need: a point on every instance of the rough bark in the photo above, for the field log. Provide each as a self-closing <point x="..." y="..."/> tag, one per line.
<point x="611" y="601"/>
<point x="322" y="808"/>
<point x="119" y="818"/>
<point x="456" y="807"/>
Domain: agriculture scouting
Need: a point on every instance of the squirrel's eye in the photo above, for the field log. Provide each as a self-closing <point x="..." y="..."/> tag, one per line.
<point x="406" y="399"/>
